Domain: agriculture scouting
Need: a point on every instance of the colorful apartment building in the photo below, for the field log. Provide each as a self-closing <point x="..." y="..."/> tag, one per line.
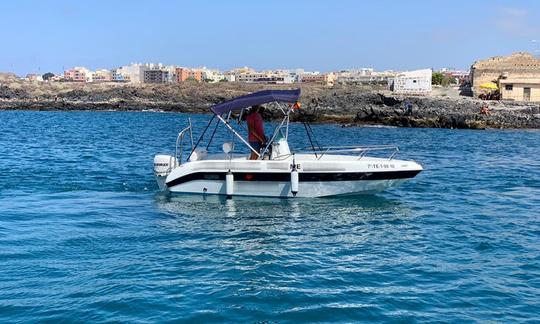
<point x="183" y="74"/>
<point x="77" y="74"/>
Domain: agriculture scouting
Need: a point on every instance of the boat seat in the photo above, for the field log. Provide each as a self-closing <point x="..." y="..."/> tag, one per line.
<point x="198" y="154"/>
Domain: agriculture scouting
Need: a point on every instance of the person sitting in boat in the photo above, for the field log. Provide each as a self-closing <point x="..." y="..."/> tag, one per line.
<point x="256" y="135"/>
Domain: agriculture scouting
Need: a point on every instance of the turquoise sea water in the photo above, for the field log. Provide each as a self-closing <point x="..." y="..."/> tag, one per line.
<point x="84" y="235"/>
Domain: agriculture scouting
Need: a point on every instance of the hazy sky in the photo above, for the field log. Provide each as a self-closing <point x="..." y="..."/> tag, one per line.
<point x="41" y="36"/>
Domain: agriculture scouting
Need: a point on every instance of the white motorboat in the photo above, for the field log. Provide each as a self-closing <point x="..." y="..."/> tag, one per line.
<point x="279" y="170"/>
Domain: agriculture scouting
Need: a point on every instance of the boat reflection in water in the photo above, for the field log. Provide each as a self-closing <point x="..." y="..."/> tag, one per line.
<point x="357" y="217"/>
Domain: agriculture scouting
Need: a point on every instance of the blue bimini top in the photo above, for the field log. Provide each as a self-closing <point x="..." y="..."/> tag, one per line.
<point x="256" y="98"/>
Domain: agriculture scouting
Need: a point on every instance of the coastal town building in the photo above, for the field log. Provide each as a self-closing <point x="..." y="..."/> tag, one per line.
<point x="196" y="75"/>
<point x="277" y="79"/>
<point x="520" y="89"/>
<point x="289" y="78"/>
<point x="326" y="78"/>
<point x="183" y="74"/>
<point x="101" y="76"/>
<point x="412" y="82"/>
<point x="312" y="78"/>
<point x="517" y="76"/>
<point x="251" y="77"/>
<point x="156" y="75"/>
<point x="57" y="78"/>
<point x="292" y="75"/>
<point x="133" y="73"/>
<point x="78" y="74"/>
<point x="270" y="77"/>
<point x="296" y="74"/>
<point x="241" y="70"/>
<point x="233" y="75"/>
<point x="159" y="73"/>
<point x="459" y="76"/>
<point x="212" y="76"/>
<point x="34" y="77"/>
<point x="171" y="69"/>
<point x="363" y="76"/>
<point x="229" y="77"/>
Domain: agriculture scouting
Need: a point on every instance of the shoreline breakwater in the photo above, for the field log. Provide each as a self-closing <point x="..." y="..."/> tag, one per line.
<point x="347" y="105"/>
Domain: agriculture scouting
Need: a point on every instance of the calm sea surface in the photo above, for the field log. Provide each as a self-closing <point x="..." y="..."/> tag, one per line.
<point x="85" y="236"/>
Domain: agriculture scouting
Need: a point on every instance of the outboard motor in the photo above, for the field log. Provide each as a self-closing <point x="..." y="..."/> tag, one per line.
<point x="163" y="165"/>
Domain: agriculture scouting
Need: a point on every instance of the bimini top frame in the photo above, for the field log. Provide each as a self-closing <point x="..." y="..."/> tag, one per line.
<point x="257" y="98"/>
<point x="223" y="111"/>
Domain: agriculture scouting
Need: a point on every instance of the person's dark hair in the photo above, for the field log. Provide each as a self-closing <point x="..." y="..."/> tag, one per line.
<point x="255" y="108"/>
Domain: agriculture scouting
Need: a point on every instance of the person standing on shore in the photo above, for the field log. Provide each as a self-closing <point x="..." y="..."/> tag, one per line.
<point x="256" y="135"/>
<point x="484" y="110"/>
<point x="408" y="107"/>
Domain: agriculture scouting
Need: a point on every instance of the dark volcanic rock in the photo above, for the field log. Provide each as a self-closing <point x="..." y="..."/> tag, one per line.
<point x="347" y="105"/>
<point x="9" y="93"/>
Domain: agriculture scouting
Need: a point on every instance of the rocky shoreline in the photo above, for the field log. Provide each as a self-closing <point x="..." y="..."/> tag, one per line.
<point x="346" y="105"/>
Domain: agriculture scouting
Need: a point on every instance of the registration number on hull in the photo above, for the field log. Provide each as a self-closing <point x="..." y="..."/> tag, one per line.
<point x="381" y="166"/>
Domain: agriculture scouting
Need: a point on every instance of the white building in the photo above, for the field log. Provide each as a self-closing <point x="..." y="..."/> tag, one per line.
<point x="212" y="76"/>
<point x="412" y="82"/>
<point x="251" y="77"/>
<point x="34" y="77"/>
<point x="133" y="73"/>
<point x="171" y="72"/>
<point x="289" y="76"/>
<point x="271" y="77"/>
<point x="229" y="77"/>
<point x="363" y="75"/>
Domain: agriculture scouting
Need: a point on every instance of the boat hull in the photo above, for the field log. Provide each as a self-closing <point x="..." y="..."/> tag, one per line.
<point x="282" y="189"/>
<point x="303" y="176"/>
